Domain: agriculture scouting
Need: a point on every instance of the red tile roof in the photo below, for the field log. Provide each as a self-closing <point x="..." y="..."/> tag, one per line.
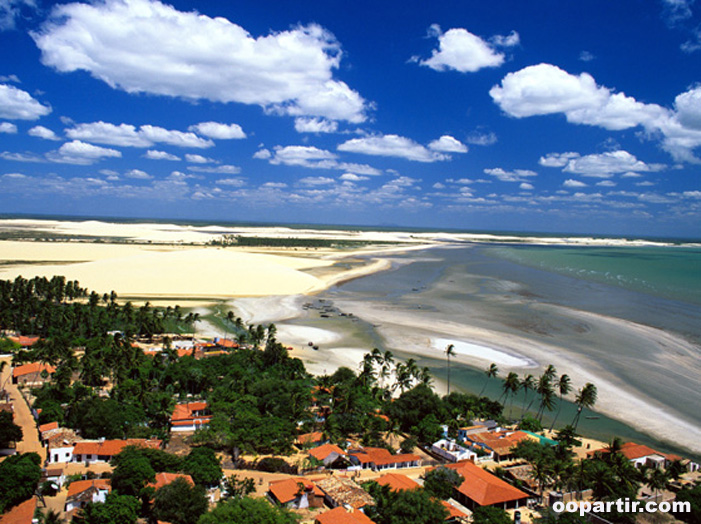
<point x="32" y="367"/>
<point x="111" y="447"/>
<point x="48" y="427"/>
<point x="341" y="515"/>
<point x="323" y="451"/>
<point x="397" y="482"/>
<point x="310" y="438"/>
<point x="183" y="413"/>
<point x="286" y="490"/>
<point x="25" y="341"/>
<point x="500" y="442"/>
<point x="20" y="514"/>
<point x="163" y="479"/>
<point x="453" y="512"/>
<point x="484" y="488"/>
<point x="382" y="457"/>
<point x="78" y="486"/>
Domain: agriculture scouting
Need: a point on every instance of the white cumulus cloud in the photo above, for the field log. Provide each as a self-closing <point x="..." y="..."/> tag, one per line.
<point x="127" y="135"/>
<point x="198" y="57"/>
<point x="7" y="127"/>
<point x="153" y="154"/>
<point x="16" y="104"/>
<point x="517" y="175"/>
<point x="315" y="125"/>
<point x="606" y="165"/>
<point x="219" y="131"/>
<point x="392" y="146"/>
<point x="448" y="144"/>
<point x="43" y="132"/>
<point x="573" y="183"/>
<point x="81" y="153"/>
<point x="460" y="50"/>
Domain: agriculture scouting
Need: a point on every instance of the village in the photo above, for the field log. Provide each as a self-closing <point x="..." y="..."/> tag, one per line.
<point x="326" y="487"/>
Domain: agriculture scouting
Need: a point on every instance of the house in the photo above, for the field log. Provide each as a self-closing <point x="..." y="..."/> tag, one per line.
<point x="81" y="492"/>
<point x="55" y="476"/>
<point x="190" y="416"/>
<point x="452" y="451"/>
<point x="397" y="482"/>
<point x="342" y="491"/>
<point x="25" y="342"/>
<point x="43" y="428"/>
<point x="380" y="458"/>
<point x="640" y="455"/>
<point x="22" y="513"/>
<point x="103" y="450"/>
<point x="163" y="479"/>
<point x="31" y="373"/>
<point x="481" y="488"/>
<point x="59" y="444"/>
<point x="500" y="443"/>
<point x="297" y="493"/>
<point x="226" y="343"/>
<point x="331" y="455"/>
<point x="454" y="514"/>
<point x="310" y="440"/>
<point x="341" y="515"/>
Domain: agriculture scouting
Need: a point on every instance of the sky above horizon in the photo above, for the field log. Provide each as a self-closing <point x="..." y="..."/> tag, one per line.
<point x="551" y="116"/>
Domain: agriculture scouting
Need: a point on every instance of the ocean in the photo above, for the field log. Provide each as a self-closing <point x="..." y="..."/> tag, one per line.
<point x="631" y="316"/>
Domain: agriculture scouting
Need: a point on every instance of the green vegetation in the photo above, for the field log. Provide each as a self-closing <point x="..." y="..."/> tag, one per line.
<point x="248" y="510"/>
<point x="693" y="497"/>
<point x="9" y="431"/>
<point x="441" y="481"/>
<point x="117" y="509"/>
<point x="413" y="506"/>
<point x="490" y="515"/>
<point x="179" y="502"/>
<point x="19" y="476"/>
<point x="314" y="243"/>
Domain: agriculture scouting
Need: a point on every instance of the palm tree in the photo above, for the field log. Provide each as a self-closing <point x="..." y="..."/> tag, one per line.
<point x="511" y="386"/>
<point x="492" y="372"/>
<point x="449" y="351"/>
<point x="527" y="384"/>
<point x="425" y="377"/>
<point x="564" y="386"/>
<point x="586" y="398"/>
<point x="550" y="372"/>
<point x="657" y="479"/>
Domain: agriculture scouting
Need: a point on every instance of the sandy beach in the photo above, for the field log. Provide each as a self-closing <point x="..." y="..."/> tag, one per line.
<point x="262" y="285"/>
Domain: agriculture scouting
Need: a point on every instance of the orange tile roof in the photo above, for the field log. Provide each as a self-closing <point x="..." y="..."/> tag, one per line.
<point x="111" y="447"/>
<point x="20" y="514"/>
<point x="184" y="412"/>
<point x="286" y="490"/>
<point x="382" y="457"/>
<point x="48" y="427"/>
<point x="25" y="341"/>
<point x="341" y="515"/>
<point x="634" y="451"/>
<point x="163" y="479"/>
<point x="310" y="438"/>
<point x="453" y="512"/>
<point x="226" y="343"/>
<point x="397" y="482"/>
<point x="323" y="451"/>
<point x="484" y="488"/>
<point x="79" y="486"/>
<point x="32" y="367"/>
<point x="500" y="442"/>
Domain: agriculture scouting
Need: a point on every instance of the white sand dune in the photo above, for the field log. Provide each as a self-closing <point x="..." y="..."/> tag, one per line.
<point x="487" y="354"/>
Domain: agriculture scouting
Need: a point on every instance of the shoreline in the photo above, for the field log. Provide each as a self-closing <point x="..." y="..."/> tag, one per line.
<point x="276" y="282"/>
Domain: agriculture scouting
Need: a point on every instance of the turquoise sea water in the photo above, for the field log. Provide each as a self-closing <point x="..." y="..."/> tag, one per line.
<point x="667" y="272"/>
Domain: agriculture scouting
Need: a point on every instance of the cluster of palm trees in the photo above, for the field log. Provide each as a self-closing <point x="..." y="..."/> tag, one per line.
<point x="380" y="369"/>
<point x="547" y="388"/>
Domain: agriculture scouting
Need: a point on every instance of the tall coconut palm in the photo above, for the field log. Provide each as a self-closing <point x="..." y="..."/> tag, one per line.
<point x="527" y="384"/>
<point x="564" y="387"/>
<point x="449" y="352"/>
<point x="586" y="398"/>
<point x="492" y="372"/>
<point x="511" y="386"/>
<point x="550" y="372"/>
<point x="657" y="479"/>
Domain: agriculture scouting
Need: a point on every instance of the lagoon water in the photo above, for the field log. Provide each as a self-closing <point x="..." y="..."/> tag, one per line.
<point x="629" y="317"/>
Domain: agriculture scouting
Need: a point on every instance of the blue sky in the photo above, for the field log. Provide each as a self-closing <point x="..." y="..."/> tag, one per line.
<point x="555" y="116"/>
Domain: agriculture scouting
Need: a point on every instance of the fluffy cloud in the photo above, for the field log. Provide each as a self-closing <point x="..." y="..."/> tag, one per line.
<point x="573" y="183"/>
<point x="7" y="127"/>
<point x="223" y="169"/>
<point x="16" y="104"/>
<point x="316" y="181"/>
<point x="199" y="159"/>
<point x="448" y="144"/>
<point x="460" y="50"/>
<point x="138" y="174"/>
<point x="198" y="57"/>
<point x="351" y="177"/>
<point x="557" y="159"/>
<point x="153" y="154"/>
<point x="127" y="135"/>
<point x="80" y="153"/>
<point x="393" y="146"/>
<point x="312" y="158"/>
<point x="231" y="182"/>
<point x="315" y="125"/>
<point x="546" y="89"/>
<point x="219" y="131"/>
<point x="517" y="175"/>
<point x="606" y="165"/>
<point x="11" y="10"/>
<point x="43" y="132"/>
<point x="525" y="186"/>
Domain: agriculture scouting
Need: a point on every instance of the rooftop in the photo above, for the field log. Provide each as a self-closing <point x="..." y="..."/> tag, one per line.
<point x="346" y="491"/>
<point x="484" y="488"/>
<point x="341" y="515"/>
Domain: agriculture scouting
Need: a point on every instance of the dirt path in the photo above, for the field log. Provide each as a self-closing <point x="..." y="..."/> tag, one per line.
<point x="23" y="416"/>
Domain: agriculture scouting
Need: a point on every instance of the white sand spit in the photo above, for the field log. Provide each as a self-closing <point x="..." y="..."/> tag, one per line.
<point x="485" y="353"/>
